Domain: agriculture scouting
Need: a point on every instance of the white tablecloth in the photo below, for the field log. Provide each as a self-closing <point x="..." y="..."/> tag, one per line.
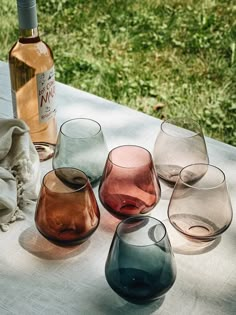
<point x="37" y="277"/>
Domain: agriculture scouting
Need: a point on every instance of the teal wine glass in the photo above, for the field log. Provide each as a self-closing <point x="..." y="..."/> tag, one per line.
<point x="140" y="266"/>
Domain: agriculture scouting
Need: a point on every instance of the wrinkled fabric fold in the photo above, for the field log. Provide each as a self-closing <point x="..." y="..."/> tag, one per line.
<point x="19" y="171"/>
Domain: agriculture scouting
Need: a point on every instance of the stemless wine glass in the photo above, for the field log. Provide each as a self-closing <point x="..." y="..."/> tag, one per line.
<point x="129" y="184"/>
<point x="140" y="266"/>
<point x="180" y="142"/>
<point x="67" y="212"/>
<point x="81" y="144"/>
<point x="200" y="208"/>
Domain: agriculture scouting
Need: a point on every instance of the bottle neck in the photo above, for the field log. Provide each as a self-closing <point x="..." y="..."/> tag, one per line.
<point x="33" y="32"/>
<point x="29" y="35"/>
<point x="27" y="16"/>
<point x="28" y="23"/>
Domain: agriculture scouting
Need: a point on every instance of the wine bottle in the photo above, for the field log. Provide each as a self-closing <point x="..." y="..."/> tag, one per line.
<point x="32" y="78"/>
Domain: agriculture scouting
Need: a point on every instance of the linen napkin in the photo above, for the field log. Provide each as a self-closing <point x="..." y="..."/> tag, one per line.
<point x="19" y="171"/>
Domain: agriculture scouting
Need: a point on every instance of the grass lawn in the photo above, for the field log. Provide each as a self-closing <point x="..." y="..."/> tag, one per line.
<point x="165" y="58"/>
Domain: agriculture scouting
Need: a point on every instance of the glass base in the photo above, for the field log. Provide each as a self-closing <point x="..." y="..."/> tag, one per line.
<point x="45" y="150"/>
<point x="195" y="228"/>
<point x="66" y="242"/>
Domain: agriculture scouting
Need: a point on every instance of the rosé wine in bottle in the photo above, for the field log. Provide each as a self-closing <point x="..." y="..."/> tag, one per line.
<point x="33" y="81"/>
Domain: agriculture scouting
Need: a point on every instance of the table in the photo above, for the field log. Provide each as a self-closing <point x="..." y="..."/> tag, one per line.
<point x="37" y="277"/>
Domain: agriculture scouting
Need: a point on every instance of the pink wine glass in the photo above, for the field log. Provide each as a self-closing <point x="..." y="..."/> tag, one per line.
<point x="200" y="208"/>
<point x="129" y="184"/>
<point x="180" y="142"/>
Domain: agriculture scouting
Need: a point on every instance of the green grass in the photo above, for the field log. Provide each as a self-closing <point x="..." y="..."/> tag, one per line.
<point x="165" y="58"/>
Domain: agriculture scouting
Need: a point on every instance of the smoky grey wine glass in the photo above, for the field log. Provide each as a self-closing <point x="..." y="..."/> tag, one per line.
<point x="81" y="144"/>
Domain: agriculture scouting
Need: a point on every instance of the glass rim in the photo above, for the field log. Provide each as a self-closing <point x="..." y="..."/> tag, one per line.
<point x="141" y="217"/>
<point x="203" y="188"/>
<point x="168" y="121"/>
<point x="80" y="118"/>
<point x="66" y="192"/>
<point x="128" y="145"/>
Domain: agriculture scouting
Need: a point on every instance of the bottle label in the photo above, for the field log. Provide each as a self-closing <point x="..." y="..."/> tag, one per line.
<point x="46" y="95"/>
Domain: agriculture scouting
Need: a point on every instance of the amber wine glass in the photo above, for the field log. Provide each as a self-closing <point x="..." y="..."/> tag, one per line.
<point x="180" y="142"/>
<point x="129" y="185"/>
<point x="200" y="208"/>
<point x="67" y="212"/>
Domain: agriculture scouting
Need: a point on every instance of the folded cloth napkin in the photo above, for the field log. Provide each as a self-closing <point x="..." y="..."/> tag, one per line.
<point x="19" y="171"/>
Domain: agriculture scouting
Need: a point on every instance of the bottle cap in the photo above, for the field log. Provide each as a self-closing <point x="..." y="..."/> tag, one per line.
<point x="27" y="14"/>
<point x="26" y="3"/>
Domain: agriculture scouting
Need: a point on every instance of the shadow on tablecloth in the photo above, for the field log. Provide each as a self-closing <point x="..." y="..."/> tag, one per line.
<point x="33" y="242"/>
